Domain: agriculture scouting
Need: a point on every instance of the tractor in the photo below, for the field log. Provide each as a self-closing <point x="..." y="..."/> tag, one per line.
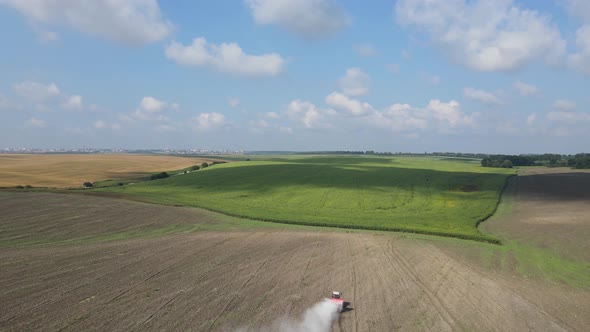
<point x="338" y="300"/>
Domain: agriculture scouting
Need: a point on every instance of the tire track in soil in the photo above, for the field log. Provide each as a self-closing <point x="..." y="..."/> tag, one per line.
<point x="181" y="261"/>
<point x="55" y="300"/>
<point x="302" y="279"/>
<point x="353" y="277"/>
<point x="441" y="310"/>
<point x="212" y="267"/>
<point x="473" y="271"/>
<point x="248" y="281"/>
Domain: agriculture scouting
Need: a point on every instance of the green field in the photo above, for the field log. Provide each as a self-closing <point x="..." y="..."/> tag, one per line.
<point x="425" y="195"/>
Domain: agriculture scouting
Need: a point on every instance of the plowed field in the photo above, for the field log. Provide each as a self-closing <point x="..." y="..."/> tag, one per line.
<point x="248" y="278"/>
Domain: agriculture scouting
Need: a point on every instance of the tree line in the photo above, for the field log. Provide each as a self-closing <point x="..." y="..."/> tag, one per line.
<point x="579" y="161"/>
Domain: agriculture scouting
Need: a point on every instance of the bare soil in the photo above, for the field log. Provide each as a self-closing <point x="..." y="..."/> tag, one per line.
<point x="226" y="280"/>
<point x="547" y="207"/>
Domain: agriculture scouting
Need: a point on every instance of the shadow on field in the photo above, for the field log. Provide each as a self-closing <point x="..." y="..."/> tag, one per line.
<point x="266" y="178"/>
<point x="558" y="186"/>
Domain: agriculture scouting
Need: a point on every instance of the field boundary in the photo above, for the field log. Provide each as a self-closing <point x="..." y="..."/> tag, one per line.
<point x="491" y="214"/>
<point x="484" y="238"/>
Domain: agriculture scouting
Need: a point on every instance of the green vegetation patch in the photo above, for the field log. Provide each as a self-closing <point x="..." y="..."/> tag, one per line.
<point x="410" y="194"/>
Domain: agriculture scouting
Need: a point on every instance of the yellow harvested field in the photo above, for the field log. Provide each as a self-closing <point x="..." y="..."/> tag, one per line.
<point x="71" y="170"/>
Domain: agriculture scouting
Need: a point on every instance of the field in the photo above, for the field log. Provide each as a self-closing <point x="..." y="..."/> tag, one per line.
<point x="71" y="170"/>
<point x="85" y="263"/>
<point x="426" y="195"/>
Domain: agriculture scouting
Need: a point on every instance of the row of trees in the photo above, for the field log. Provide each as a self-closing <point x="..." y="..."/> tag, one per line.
<point x="581" y="160"/>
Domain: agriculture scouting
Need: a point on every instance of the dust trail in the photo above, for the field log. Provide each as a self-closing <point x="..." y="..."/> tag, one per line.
<point x="318" y="318"/>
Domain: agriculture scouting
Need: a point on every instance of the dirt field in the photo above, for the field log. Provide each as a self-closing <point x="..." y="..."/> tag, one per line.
<point x="248" y="279"/>
<point x="71" y="170"/>
<point x="548" y="207"/>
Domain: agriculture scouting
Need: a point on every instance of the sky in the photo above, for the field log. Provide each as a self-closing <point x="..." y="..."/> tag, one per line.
<point x="491" y="76"/>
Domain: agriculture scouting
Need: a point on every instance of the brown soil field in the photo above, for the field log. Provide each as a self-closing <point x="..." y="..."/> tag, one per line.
<point x="548" y="207"/>
<point x="248" y="278"/>
<point x="71" y="170"/>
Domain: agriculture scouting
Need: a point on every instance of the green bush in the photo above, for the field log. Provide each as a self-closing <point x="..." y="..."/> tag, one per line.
<point x="161" y="175"/>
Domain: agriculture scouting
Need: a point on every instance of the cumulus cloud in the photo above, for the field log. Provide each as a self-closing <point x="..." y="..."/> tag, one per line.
<point x="579" y="8"/>
<point x="125" y="21"/>
<point x="400" y="117"/>
<point x="226" y="57"/>
<point x="351" y="106"/>
<point x="150" y="109"/>
<point x="307" y="114"/>
<point x="355" y="82"/>
<point x="484" y="35"/>
<point x="35" y="91"/>
<point x="449" y="113"/>
<point x="311" y="19"/>
<point x="564" y="105"/>
<point x="525" y="89"/>
<point x="74" y="102"/>
<point x="580" y="61"/>
<point x="208" y="121"/>
<point x="366" y="50"/>
<point x="34" y="122"/>
<point x="481" y="96"/>
<point x="530" y="120"/>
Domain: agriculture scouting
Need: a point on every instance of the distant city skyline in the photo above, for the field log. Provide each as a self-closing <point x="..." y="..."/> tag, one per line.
<point x="480" y="76"/>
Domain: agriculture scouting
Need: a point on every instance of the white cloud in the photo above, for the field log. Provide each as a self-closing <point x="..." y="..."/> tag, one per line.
<point x="307" y="114"/>
<point x="351" y="106"/>
<point x="530" y="120"/>
<point x="485" y="35"/>
<point x="226" y="57"/>
<point x="310" y="19"/>
<point x="481" y="96"/>
<point x="74" y="102"/>
<point x="34" y="122"/>
<point x="581" y="60"/>
<point x="399" y="117"/>
<point x="564" y="105"/>
<point x="355" y="82"/>
<point x="449" y="113"/>
<point x="35" y="91"/>
<point x="525" y="89"/>
<point x="150" y="109"/>
<point x="366" y="50"/>
<point x="208" y="121"/>
<point x="272" y="115"/>
<point x="579" y="8"/>
<point x="568" y="117"/>
<point x="126" y="21"/>
<point x="233" y="102"/>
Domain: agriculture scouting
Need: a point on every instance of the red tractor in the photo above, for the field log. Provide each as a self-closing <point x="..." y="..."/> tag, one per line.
<point x="338" y="300"/>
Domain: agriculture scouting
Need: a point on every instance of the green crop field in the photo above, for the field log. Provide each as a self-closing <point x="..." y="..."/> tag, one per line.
<point x="414" y="194"/>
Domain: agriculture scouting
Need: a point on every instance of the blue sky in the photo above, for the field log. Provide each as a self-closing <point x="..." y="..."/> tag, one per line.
<point x="498" y="76"/>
